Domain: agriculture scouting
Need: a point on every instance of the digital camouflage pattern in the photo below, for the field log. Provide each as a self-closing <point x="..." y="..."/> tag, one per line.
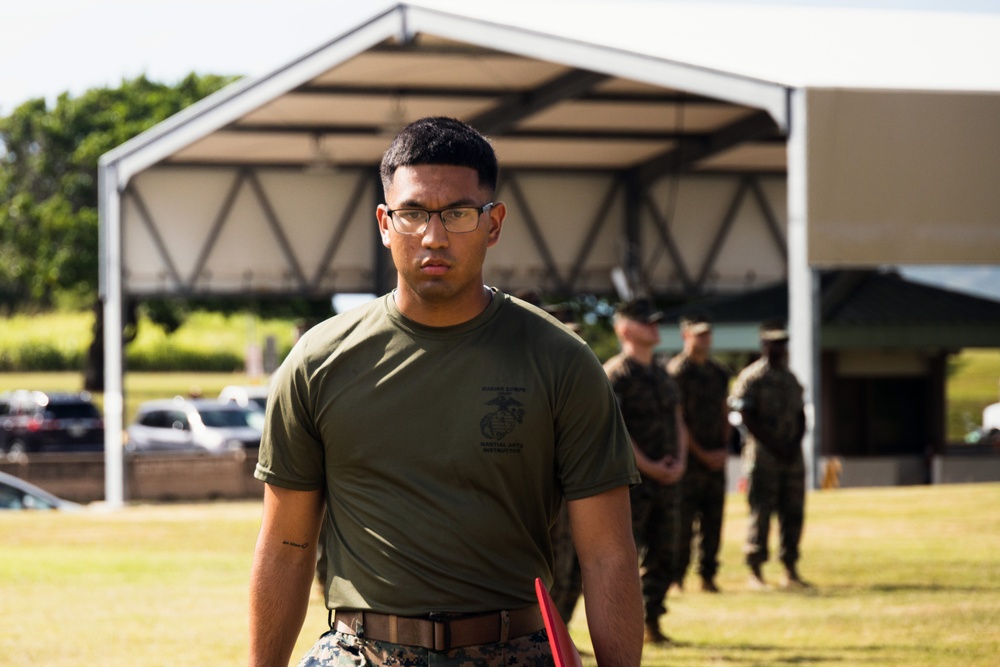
<point x="774" y="396"/>
<point x="703" y="501"/>
<point x="339" y="649"/>
<point x="774" y="487"/>
<point x="704" y="388"/>
<point x="775" y="467"/>
<point x="656" y="517"/>
<point x="648" y="398"/>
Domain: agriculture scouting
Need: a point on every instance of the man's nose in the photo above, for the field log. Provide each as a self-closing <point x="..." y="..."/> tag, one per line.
<point x="435" y="235"/>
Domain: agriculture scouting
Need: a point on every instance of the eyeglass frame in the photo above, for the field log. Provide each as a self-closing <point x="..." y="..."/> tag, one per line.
<point x="485" y="208"/>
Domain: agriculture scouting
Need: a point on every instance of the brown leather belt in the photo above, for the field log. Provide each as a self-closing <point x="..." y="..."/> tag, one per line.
<point x="439" y="632"/>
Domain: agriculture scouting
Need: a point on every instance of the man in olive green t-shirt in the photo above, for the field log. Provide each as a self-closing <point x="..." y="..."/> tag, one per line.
<point x="438" y="429"/>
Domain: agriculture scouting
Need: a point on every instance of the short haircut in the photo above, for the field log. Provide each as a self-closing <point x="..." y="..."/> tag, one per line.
<point x="444" y="141"/>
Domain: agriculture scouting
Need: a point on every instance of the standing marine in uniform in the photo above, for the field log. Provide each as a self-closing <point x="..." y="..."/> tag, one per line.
<point x="650" y="402"/>
<point x="770" y="400"/>
<point x="704" y="385"/>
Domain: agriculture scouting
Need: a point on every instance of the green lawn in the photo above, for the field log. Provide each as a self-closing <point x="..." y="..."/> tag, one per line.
<point x="904" y="576"/>
<point x="973" y="383"/>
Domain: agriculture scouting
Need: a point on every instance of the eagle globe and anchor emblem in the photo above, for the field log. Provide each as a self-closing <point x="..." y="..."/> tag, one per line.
<point x="508" y="414"/>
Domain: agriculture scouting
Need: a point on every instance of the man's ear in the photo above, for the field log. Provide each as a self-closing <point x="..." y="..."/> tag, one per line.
<point x="497" y="215"/>
<point x="382" y="216"/>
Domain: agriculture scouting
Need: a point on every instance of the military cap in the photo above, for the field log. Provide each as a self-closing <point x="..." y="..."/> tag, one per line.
<point x="696" y="323"/>
<point x="641" y="310"/>
<point x="773" y="332"/>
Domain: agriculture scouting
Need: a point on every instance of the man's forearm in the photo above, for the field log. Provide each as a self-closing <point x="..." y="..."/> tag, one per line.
<point x="284" y="564"/>
<point x="279" y="599"/>
<point x="614" y="612"/>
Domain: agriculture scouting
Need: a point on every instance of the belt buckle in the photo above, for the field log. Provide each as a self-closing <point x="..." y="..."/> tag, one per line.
<point x="441" y="632"/>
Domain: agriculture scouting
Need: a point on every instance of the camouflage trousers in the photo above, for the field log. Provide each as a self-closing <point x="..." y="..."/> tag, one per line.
<point x="703" y="497"/>
<point x="338" y="649"/>
<point x="655" y="526"/>
<point x="774" y="487"/>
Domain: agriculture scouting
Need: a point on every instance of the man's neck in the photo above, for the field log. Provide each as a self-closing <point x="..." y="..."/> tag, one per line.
<point x="696" y="355"/>
<point x="444" y="313"/>
<point x="640" y="354"/>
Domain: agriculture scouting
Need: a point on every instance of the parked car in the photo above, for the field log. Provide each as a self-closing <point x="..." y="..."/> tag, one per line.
<point x="247" y="396"/>
<point x="17" y="494"/>
<point x="38" y="421"/>
<point x="194" y="425"/>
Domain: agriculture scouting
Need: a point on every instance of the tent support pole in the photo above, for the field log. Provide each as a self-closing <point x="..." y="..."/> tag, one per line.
<point x="803" y="284"/>
<point x="111" y="292"/>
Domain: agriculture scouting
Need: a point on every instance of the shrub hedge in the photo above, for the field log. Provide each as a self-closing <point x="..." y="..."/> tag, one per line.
<point x="208" y="342"/>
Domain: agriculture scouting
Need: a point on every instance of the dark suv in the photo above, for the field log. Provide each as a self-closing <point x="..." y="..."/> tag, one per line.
<point x="36" y="421"/>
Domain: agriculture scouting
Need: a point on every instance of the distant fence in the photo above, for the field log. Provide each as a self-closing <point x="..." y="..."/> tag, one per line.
<point x="194" y="477"/>
<point x="149" y="477"/>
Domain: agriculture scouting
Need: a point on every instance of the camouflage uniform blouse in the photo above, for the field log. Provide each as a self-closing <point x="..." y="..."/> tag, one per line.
<point x="704" y="387"/>
<point x="648" y="399"/>
<point x="774" y="396"/>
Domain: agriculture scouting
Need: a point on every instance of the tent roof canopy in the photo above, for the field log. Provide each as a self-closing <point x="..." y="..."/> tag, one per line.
<point x="540" y="114"/>
<point x="548" y="102"/>
<point x="655" y="87"/>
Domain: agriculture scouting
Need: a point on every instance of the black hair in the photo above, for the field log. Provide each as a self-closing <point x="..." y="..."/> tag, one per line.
<point x="441" y="140"/>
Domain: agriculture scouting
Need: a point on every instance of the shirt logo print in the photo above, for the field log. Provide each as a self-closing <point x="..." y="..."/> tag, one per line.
<point x="508" y="414"/>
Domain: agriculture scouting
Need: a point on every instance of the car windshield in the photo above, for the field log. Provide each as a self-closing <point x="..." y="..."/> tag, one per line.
<point x="225" y="418"/>
<point x="15" y="499"/>
<point x="73" y="411"/>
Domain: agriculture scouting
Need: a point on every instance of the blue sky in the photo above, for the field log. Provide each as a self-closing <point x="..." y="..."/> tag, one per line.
<point x="55" y="46"/>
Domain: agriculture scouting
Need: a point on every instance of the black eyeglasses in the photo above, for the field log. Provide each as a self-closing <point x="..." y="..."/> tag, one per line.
<point x="456" y="219"/>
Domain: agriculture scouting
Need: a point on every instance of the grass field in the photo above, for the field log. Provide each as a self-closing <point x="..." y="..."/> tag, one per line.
<point x="904" y="576"/>
<point x="973" y="383"/>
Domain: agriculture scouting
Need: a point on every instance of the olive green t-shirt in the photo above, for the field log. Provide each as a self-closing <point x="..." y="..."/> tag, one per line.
<point x="444" y="452"/>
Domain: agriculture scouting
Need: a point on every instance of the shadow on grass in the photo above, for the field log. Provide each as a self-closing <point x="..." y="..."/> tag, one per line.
<point x="758" y="654"/>
<point x="901" y="587"/>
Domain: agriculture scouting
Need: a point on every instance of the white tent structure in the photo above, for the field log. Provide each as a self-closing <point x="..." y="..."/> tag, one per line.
<point x="698" y="147"/>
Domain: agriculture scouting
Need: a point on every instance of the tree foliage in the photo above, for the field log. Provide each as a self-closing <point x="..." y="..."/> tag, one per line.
<point x="48" y="184"/>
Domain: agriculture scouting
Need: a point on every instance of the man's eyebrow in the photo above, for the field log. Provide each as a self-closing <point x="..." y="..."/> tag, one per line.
<point x="412" y="203"/>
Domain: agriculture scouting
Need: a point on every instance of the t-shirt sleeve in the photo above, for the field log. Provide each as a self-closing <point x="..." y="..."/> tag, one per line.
<point x="593" y="450"/>
<point x="291" y="453"/>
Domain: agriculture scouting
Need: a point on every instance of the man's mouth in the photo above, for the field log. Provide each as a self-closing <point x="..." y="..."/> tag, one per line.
<point x="434" y="267"/>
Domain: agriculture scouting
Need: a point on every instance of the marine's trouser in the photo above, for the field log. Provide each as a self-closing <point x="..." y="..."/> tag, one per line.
<point x="774" y="487"/>
<point x="339" y="649"/>
<point x="655" y="524"/>
<point x="703" y="498"/>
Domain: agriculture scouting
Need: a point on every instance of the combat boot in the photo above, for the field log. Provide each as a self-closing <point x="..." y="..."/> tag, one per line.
<point x="793" y="580"/>
<point x="756" y="581"/>
<point x="653" y="634"/>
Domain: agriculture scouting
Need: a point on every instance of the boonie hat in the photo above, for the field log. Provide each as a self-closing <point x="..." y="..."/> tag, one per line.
<point x="641" y="310"/>
<point x="773" y="332"/>
<point x="696" y="323"/>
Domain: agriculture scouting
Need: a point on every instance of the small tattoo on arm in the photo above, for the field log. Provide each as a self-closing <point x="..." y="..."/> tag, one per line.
<point x="295" y="544"/>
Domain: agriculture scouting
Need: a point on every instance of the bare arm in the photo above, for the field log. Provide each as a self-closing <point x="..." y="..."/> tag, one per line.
<point x="602" y="534"/>
<point x="283" y="566"/>
<point x="683" y="439"/>
<point x="658" y="470"/>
